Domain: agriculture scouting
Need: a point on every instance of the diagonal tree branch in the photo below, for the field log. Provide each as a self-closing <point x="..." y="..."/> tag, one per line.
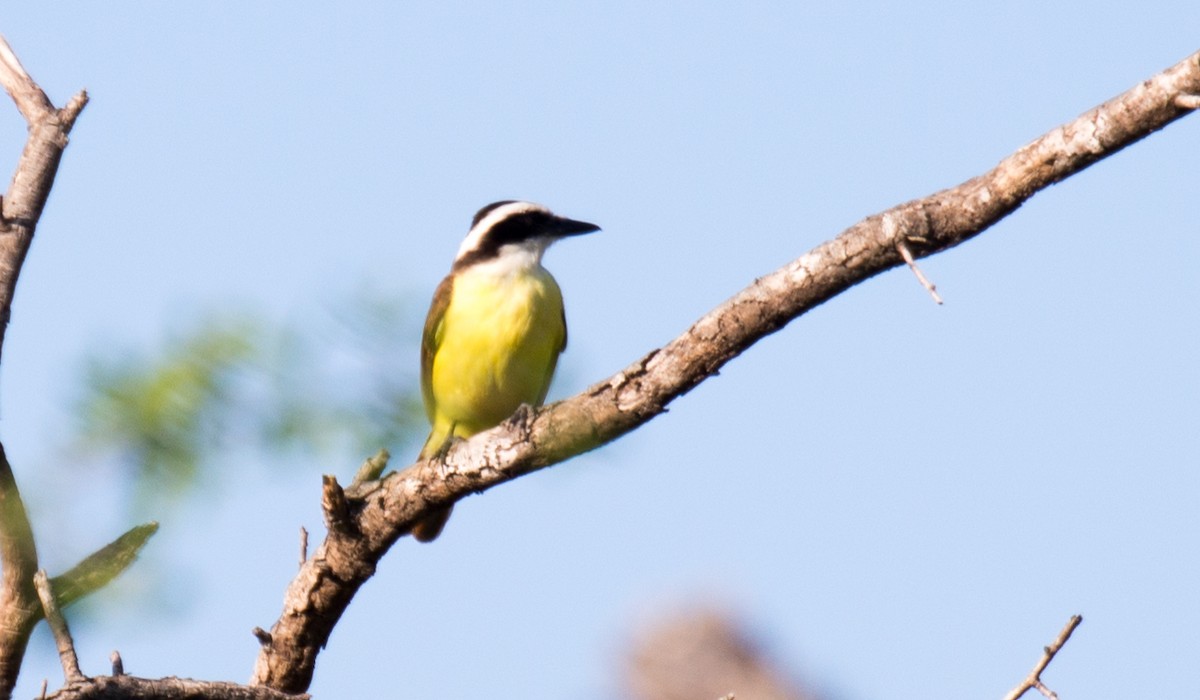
<point x="381" y="512"/>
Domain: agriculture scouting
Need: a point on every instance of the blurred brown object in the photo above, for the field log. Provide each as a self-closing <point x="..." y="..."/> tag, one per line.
<point x="703" y="655"/>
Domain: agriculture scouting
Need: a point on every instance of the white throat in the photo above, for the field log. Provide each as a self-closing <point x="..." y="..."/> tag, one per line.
<point x="514" y="259"/>
<point x="471" y="242"/>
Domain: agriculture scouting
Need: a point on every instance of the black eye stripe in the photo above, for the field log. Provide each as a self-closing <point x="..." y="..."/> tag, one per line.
<point x="509" y="230"/>
<point x="517" y="228"/>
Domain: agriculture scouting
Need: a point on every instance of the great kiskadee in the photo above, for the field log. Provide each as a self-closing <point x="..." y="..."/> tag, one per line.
<point x="494" y="330"/>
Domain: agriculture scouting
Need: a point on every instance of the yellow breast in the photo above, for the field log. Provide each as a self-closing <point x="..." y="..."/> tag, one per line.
<point x="497" y="346"/>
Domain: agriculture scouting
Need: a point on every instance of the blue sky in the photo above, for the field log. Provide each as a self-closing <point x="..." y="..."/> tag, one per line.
<point x="898" y="498"/>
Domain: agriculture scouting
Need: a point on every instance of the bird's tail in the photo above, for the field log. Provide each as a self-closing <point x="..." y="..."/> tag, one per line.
<point x="428" y="528"/>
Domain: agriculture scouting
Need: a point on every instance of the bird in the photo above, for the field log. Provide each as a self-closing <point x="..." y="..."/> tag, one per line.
<point x="494" y="331"/>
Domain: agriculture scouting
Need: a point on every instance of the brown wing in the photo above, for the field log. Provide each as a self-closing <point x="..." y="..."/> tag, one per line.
<point x="431" y="339"/>
<point x="564" y="322"/>
<point x="554" y="361"/>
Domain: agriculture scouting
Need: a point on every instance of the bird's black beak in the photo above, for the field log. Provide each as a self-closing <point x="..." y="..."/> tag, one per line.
<point x="571" y="227"/>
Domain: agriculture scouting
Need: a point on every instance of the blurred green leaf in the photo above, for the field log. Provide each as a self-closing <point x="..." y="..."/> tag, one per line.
<point x="331" y="386"/>
<point x="165" y="412"/>
<point x="103" y="565"/>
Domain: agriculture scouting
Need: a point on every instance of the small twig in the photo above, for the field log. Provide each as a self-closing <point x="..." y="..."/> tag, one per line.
<point x="74" y="106"/>
<point x="118" y="666"/>
<point x="912" y="265"/>
<point x="371" y="468"/>
<point x="1034" y="679"/>
<point x="45" y="685"/>
<point x="303" y="545"/>
<point x="263" y="636"/>
<point x="1187" y="101"/>
<point x="58" y="625"/>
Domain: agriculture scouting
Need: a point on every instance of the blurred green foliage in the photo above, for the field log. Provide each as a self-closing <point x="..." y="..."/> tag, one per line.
<point x="232" y="388"/>
<point x="165" y="411"/>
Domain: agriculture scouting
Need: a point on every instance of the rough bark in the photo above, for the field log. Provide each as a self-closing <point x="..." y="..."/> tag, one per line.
<point x="133" y="688"/>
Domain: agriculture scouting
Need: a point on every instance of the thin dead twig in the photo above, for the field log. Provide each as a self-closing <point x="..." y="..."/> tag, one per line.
<point x="58" y="625"/>
<point x="1034" y="679"/>
<point x="930" y="287"/>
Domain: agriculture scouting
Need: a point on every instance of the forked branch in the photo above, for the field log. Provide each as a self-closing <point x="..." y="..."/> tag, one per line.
<point x="1034" y="679"/>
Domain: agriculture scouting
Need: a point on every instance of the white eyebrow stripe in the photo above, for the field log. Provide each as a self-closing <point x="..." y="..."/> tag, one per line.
<point x="495" y="216"/>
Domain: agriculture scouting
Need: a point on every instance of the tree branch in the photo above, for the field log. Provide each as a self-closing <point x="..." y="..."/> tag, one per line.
<point x="58" y="626"/>
<point x="19" y="213"/>
<point x="34" y="176"/>
<point x="134" y="688"/>
<point x="1034" y="679"/>
<point x="385" y="510"/>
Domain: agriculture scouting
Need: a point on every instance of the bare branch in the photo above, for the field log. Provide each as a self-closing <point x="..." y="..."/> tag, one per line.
<point x="1034" y="679"/>
<point x="126" y="687"/>
<point x="58" y="625"/>
<point x="385" y="510"/>
<point x="34" y="176"/>
<point x="19" y="213"/>
<point x="31" y="101"/>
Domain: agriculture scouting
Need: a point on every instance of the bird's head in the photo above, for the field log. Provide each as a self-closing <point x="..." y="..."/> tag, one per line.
<point x="512" y="228"/>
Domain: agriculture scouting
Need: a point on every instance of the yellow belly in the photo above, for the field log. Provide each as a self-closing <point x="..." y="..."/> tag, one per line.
<point x="499" y="342"/>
